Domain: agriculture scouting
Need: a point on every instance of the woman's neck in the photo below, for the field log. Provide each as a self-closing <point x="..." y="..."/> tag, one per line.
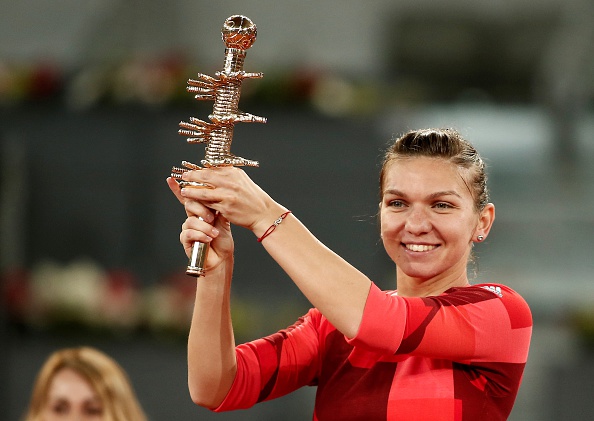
<point x="417" y="287"/>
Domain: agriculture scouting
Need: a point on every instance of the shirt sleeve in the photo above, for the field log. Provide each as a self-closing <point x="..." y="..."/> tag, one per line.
<point x="273" y="366"/>
<point x="472" y="324"/>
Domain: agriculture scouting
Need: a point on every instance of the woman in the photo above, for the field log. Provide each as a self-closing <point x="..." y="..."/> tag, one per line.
<point x="437" y="348"/>
<point x="84" y="384"/>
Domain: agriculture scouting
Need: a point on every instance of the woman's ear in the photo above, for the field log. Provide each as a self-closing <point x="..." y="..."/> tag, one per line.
<point x="485" y="222"/>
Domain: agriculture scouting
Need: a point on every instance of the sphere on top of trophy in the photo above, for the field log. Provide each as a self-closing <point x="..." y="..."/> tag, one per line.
<point x="239" y="32"/>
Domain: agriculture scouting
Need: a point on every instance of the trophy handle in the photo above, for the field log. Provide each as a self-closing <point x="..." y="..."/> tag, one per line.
<point x="199" y="250"/>
<point x="197" y="259"/>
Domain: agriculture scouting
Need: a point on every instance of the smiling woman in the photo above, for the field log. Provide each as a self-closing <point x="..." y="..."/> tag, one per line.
<point x="435" y="203"/>
<point x="434" y="348"/>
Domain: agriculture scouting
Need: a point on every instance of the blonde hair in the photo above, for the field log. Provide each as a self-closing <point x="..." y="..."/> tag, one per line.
<point x="106" y="377"/>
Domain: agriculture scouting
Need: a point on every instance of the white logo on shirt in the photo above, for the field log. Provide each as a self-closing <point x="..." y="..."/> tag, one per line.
<point x="493" y="289"/>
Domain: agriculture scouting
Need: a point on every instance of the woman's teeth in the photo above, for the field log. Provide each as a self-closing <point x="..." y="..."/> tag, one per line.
<point x="419" y="247"/>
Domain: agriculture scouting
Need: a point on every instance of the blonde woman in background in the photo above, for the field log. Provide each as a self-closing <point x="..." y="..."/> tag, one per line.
<point x="84" y="384"/>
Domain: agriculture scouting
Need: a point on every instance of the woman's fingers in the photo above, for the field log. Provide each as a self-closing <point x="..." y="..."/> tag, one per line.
<point x="175" y="189"/>
<point x="196" y="229"/>
<point x="177" y="186"/>
<point x="198" y="191"/>
<point x="233" y="194"/>
<point x="194" y="208"/>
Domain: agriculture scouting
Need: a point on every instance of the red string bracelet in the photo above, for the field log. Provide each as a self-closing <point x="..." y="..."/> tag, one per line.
<point x="273" y="226"/>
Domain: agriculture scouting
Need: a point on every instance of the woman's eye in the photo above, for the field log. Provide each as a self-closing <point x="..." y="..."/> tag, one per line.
<point x="94" y="410"/>
<point x="60" y="409"/>
<point x="442" y="205"/>
<point x="396" y="203"/>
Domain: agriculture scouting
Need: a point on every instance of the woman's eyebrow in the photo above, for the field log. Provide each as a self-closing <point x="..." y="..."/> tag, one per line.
<point x="397" y="192"/>
<point x="444" y="193"/>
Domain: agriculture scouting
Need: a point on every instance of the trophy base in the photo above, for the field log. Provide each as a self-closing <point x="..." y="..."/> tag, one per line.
<point x="195" y="271"/>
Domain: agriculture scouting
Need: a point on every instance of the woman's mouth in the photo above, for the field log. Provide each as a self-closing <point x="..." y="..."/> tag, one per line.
<point x="419" y="247"/>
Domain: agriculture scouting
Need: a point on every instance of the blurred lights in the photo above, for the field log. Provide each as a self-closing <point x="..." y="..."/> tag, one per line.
<point x="81" y="297"/>
<point x="162" y="81"/>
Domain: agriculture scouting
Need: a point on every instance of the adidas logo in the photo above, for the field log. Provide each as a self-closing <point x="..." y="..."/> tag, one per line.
<point x="494" y="289"/>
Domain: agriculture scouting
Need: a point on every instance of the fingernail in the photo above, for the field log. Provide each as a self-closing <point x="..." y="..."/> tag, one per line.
<point x="215" y="231"/>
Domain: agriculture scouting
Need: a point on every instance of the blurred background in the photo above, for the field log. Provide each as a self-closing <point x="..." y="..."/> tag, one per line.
<point x="91" y="94"/>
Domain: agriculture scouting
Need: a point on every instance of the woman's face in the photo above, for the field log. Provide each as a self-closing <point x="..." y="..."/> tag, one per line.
<point x="71" y="397"/>
<point x="428" y="219"/>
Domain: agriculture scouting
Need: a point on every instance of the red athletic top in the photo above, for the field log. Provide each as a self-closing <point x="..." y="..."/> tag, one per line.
<point x="456" y="356"/>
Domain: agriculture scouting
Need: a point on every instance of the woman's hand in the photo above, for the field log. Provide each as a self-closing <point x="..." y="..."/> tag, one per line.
<point x="232" y="194"/>
<point x="205" y="226"/>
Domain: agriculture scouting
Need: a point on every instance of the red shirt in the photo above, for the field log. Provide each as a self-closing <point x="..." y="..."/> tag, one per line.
<point x="456" y="356"/>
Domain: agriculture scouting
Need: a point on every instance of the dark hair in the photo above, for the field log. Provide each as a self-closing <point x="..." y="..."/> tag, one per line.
<point x="449" y="145"/>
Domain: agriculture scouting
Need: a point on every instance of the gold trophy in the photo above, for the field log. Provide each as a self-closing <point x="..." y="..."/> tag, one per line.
<point x="238" y="34"/>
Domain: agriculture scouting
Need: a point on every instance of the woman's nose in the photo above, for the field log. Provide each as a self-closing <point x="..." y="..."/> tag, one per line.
<point x="417" y="221"/>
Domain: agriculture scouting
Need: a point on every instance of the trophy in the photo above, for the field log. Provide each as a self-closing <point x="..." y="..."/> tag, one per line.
<point x="238" y="34"/>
